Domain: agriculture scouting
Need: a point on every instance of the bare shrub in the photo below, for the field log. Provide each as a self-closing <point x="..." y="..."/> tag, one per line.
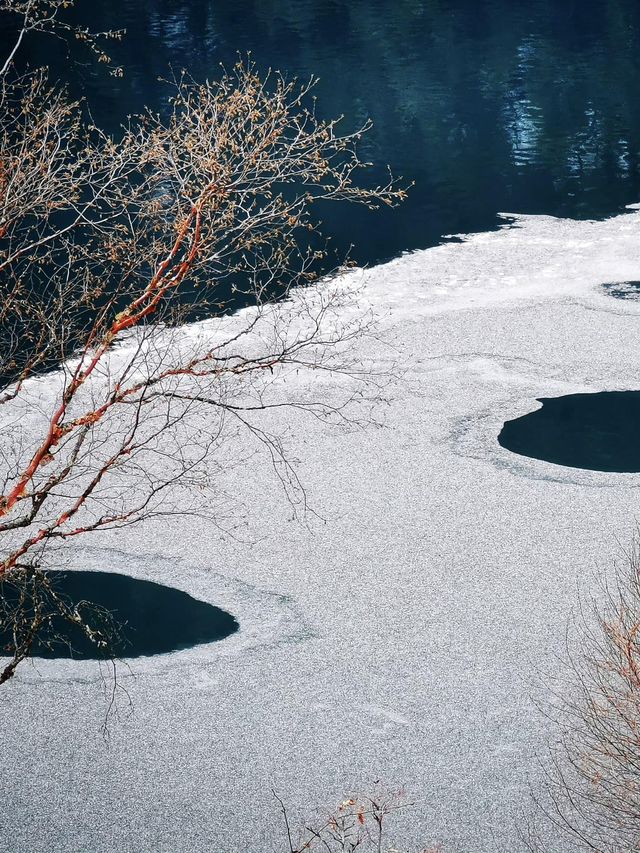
<point x="591" y="799"/>
<point x="359" y="823"/>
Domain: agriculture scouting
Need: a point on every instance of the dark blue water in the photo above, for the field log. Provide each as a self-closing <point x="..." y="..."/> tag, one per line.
<point x="489" y="105"/>
<point x="628" y="290"/>
<point x="136" y="617"/>
<point x="595" y="431"/>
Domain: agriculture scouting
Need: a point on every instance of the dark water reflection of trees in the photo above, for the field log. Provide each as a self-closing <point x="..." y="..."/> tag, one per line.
<point x="490" y="105"/>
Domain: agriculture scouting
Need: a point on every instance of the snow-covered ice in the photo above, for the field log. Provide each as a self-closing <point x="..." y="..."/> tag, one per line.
<point x="400" y="637"/>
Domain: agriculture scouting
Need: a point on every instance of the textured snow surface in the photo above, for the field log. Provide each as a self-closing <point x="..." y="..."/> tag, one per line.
<point x="397" y="639"/>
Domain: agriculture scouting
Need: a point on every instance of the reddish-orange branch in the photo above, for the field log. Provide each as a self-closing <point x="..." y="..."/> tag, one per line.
<point x="130" y="317"/>
<point x="46" y="532"/>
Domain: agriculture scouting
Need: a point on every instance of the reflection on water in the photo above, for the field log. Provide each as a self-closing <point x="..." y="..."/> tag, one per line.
<point x="490" y="105"/>
<point x="594" y="431"/>
<point x="137" y="617"/>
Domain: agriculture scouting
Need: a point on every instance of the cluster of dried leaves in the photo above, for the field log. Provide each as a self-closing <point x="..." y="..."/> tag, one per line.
<point x="35" y="613"/>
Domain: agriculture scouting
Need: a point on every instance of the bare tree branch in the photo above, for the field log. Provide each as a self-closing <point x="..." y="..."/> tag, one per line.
<point x="108" y="245"/>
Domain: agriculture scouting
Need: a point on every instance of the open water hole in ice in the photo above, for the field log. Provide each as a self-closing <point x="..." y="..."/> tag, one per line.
<point x="623" y="289"/>
<point x="138" y="617"/>
<point x="595" y="431"/>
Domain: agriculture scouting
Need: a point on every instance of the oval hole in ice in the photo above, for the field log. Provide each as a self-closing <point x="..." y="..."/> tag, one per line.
<point x="139" y="617"/>
<point x="623" y="289"/>
<point x="594" y="431"/>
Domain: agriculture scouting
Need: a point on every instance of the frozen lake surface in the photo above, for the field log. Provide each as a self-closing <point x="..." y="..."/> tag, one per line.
<point x="400" y="637"/>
